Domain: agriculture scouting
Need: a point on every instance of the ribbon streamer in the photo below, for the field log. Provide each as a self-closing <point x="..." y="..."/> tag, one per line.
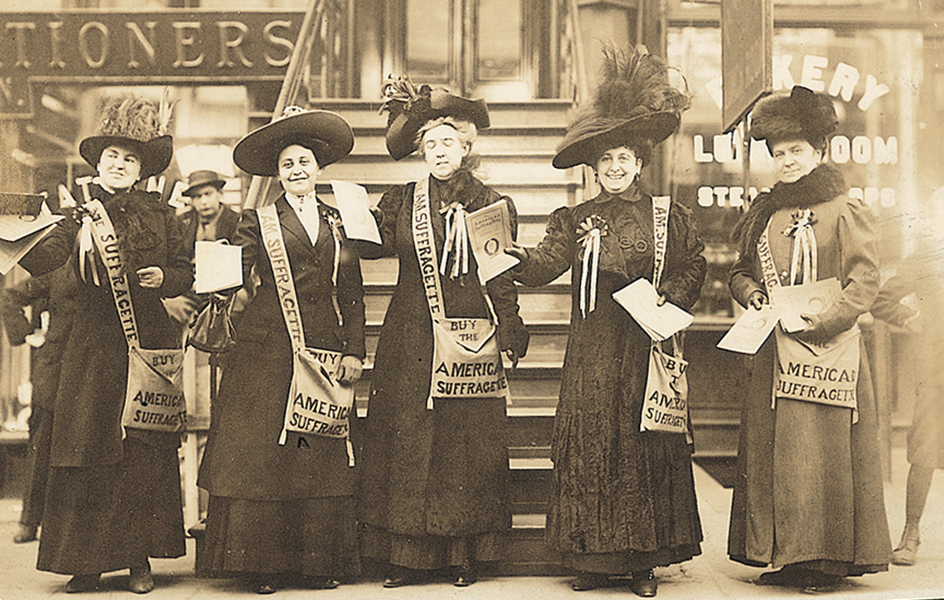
<point x="456" y="244"/>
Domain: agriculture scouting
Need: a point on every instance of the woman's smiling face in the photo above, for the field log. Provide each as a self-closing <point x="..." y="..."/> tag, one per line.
<point x="617" y="169"/>
<point x="298" y="169"/>
<point x="119" y="168"/>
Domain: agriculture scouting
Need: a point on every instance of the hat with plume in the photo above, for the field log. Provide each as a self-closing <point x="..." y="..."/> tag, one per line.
<point x="409" y="107"/>
<point x="134" y="123"/>
<point x="634" y="101"/>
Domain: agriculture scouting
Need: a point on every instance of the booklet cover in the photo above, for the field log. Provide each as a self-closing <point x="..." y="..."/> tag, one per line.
<point x="809" y="298"/>
<point x="489" y="231"/>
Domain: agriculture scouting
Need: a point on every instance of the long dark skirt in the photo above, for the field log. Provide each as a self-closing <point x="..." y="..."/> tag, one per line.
<point x="430" y="551"/>
<point x="314" y="537"/>
<point x="109" y="517"/>
<point x="40" y="439"/>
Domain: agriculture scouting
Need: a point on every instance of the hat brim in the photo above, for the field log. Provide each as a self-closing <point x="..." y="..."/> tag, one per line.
<point x="325" y="133"/>
<point x="155" y="154"/>
<point x="217" y="183"/>
<point x="656" y="127"/>
<point x="403" y="131"/>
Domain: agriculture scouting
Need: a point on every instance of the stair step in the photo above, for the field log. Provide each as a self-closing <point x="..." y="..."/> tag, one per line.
<point x="537" y="142"/>
<point x="365" y="114"/>
<point x="503" y="169"/>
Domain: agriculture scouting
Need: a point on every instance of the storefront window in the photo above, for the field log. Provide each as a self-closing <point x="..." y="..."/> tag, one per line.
<point x="873" y="77"/>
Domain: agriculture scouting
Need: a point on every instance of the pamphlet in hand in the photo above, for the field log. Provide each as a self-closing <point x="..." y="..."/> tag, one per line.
<point x="23" y="223"/>
<point x="218" y="266"/>
<point x="751" y="330"/>
<point x="489" y="231"/>
<point x="354" y="205"/>
<point x="809" y="298"/>
<point x="660" y="322"/>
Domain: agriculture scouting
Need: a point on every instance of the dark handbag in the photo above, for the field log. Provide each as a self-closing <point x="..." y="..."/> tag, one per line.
<point x="213" y="330"/>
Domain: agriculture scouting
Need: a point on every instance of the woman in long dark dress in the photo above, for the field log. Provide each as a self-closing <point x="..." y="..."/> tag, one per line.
<point x="286" y="510"/>
<point x="623" y="499"/>
<point x="433" y="477"/>
<point x="808" y="499"/>
<point x="113" y="496"/>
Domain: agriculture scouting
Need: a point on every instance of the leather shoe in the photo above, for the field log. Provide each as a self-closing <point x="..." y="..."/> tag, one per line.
<point x="264" y="587"/>
<point x="644" y="584"/>
<point x="398" y="577"/>
<point x="141" y="581"/>
<point x="324" y="583"/>
<point x="83" y="583"/>
<point x="25" y="533"/>
<point x="465" y="576"/>
<point x="588" y="581"/>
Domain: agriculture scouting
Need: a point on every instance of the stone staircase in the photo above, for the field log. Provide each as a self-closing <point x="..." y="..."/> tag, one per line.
<point x="516" y="152"/>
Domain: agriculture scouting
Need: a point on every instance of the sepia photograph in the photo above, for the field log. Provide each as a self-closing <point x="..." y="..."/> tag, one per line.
<point x="491" y="299"/>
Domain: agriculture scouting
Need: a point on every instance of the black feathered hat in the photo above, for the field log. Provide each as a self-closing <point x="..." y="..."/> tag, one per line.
<point x="323" y="132"/>
<point x="134" y="123"/>
<point x="408" y="108"/>
<point x="634" y="101"/>
<point x="801" y="114"/>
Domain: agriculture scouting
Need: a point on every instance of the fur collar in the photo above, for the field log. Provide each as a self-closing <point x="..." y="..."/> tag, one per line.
<point x="822" y="184"/>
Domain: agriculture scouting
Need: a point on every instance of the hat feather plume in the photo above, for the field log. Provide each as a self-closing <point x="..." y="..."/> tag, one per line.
<point x="133" y="117"/>
<point x="402" y="95"/>
<point x="633" y="84"/>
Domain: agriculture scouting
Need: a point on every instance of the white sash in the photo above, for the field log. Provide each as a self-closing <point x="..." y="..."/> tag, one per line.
<point x="154" y="397"/>
<point x="466" y="358"/>
<point x="317" y="403"/>
<point x="665" y="404"/>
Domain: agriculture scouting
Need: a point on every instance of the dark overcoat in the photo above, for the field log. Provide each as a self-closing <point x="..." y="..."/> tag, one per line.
<point x="809" y="486"/>
<point x="95" y="364"/>
<point x="616" y="489"/>
<point x="435" y="472"/>
<point x="225" y="226"/>
<point x="243" y="458"/>
<point x="100" y="484"/>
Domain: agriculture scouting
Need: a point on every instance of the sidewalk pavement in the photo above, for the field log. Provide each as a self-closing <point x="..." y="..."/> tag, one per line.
<point x="707" y="577"/>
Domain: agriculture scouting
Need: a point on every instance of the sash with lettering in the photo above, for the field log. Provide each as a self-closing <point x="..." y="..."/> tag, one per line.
<point x="824" y="374"/>
<point x="317" y="403"/>
<point x="154" y="396"/>
<point x="466" y="358"/>
<point x="665" y="404"/>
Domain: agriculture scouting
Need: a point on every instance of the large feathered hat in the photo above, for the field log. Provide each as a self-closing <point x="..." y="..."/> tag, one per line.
<point x="801" y="114"/>
<point x="134" y="123"/>
<point x="635" y="100"/>
<point x="324" y="132"/>
<point x="409" y="107"/>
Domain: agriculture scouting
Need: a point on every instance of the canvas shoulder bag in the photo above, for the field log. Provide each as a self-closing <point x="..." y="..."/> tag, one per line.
<point x="317" y="403"/>
<point x="824" y="374"/>
<point x="154" y="396"/>
<point x="466" y="358"/>
<point x="665" y="405"/>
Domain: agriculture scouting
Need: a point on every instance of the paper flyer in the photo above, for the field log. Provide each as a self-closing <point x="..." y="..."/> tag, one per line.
<point x="809" y="298"/>
<point x="354" y="204"/>
<point x="751" y="330"/>
<point x="217" y="267"/>
<point x="489" y="231"/>
<point x="660" y="322"/>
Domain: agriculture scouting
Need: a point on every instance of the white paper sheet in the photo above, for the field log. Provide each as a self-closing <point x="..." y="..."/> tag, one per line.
<point x="660" y="322"/>
<point x="751" y="330"/>
<point x="16" y="227"/>
<point x="809" y="298"/>
<point x="354" y="204"/>
<point x="12" y="252"/>
<point x="489" y="232"/>
<point x="217" y="267"/>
